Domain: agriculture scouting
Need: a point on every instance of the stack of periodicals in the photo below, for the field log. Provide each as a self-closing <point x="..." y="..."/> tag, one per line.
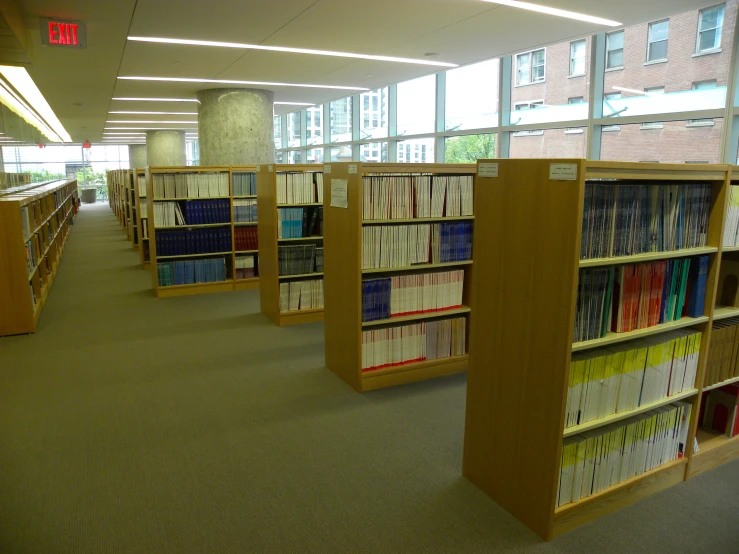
<point x="721" y="410"/>
<point x="246" y="267"/>
<point x="142" y="185"/>
<point x="192" y="212"/>
<point x="595" y="460"/>
<point x="296" y="260"/>
<point x="624" y="220"/>
<point x="300" y="188"/>
<point x="416" y="196"/>
<point x="244" y="184"/>
<point x="246" y="238"/>
<point x="626" y="376"/>
<point x="245" y="210"/>
<point x="190" y="272"/>
<point x="144" y="208"/>
<point x="638" y="296"/>
<point x="295" y="223"/>
<point x="193" y="241"/>
<point x="403" y="295"/>
<point x="25" y="222"/>
<point x="190" y="185"/>
<point x="301" y="295"/>
<point x="723" y="352"/>
<point x="406" y="245"/>
<point x="394" y="346"/>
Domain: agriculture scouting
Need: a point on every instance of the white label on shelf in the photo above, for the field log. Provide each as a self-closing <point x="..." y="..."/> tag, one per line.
<point x="339" y="190"/>
<point x="487" y="170"/>
<point x="259" y="168"/>
<point x="327" y="169"/>
<point x="563" y="172"/>
<point x="270" y="168"/>
<point x="352" y="169"/>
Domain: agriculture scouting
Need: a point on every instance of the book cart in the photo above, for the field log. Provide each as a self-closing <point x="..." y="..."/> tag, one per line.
<point x="345" y="276"/>
<point x="525" y="290"/>
<point x="270" y="243"/>
<point x="142" y="216"/>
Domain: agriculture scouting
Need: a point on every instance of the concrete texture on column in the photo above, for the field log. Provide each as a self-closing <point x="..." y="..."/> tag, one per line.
<point x="137" y="156"/>
<point x="165" y="148"/>
<point x="235" y="127"/>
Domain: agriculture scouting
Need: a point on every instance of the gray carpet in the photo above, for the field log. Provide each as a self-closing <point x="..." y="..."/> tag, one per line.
<point x="135" y="424"/>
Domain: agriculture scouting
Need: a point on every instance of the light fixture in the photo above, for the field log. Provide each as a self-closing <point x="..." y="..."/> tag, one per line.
<point x="556" y="11"/>
<point x="157" y="99"/>
<point x="157" y="113"/>
<point x="144" y="128"/>
<point x="294" y="103"/>
<point x="235" y="82"/>
<point x="148" y="121"/>
<point x="632" y="90"/>
<point x="290" y="50"/>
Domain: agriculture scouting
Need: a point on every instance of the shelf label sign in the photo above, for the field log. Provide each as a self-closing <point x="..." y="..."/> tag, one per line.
<point x="563" y="172"/>
<point x="259" y="168"/>
<point x="339" y="192"/>
<point x="68" y="34"/>
<point x="352" y="169"/>
<point x="270" y="168"/>
<point x="487" y="170"/>
<point x="327" y="169"/>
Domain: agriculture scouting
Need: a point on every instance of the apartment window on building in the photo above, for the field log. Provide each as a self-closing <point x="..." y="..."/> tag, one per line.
<point x="608" y="97"/>
<point x="615" y="50"/>
<point x="532" y="105"/>
<point x="653" y="91"/>
<point x="530" y="67"/>
<point x="374" y="102"/>
<point x="575" y="130"/>
<point x="577" y="58"/>
<point x="710" y="24"/>
<point x="366" y="101"/>
<point x="657" y="40"/>
<point x="702" y="85"/>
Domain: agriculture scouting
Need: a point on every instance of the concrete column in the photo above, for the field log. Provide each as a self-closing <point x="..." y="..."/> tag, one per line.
<point x="137" y="156"/>
<point x="165" y="148"/>
<point x="235" y="127"/>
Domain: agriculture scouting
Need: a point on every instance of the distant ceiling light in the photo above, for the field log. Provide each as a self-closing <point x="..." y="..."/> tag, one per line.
<point x="431" y="54"/>
<point x="555" y="11"/>
<point x="158" y="99"/>
<point x="235" y="82"/>
<point x="148" y="121"/>
<point x="144" y="128"/>
<point x="157" y="113"/>
<point x="126" y="134"/>
<point x="368" y="74"/>
<point x="294" y="103"/>
<point x="290" y="50"/>
<point x="632" y="90"/>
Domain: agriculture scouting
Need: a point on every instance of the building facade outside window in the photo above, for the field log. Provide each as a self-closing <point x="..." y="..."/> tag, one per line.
<point x="615" y="50"/>
<point x="530" y="67"/>
<point x="577" y="58"/>
<point x="657" y="40"/>
<point x="710" y="24"/>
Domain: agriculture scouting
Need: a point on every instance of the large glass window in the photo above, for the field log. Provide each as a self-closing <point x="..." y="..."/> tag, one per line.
<point x="373" y="152"/>
<point x="373" y="114"/>
<point x="314" y="156"/>
<point x="615" y="50"/>
<point x="551" y="143"/>
<point x="416" y="151"/>
<point x="293" y="129"/>
<point x="472" y="96"/>
<point x="341" y="153"/>
<point x="294" y="157"/>
<point x="577" y="58"/>
<point x="314" y="125"/>
<point x="469" y="148"/>
<point x="278" y="131"/>
<point x="657" y="40"/>
<point x="416" y="106"/>
<point x="710" y="24"/>
<point x="341" y="120"/>
<point x="530" y="67"/>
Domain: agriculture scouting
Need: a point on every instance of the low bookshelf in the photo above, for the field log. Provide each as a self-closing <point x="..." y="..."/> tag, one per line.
<point x="290" y="231"/>
<point x="398" y="271"/>
<point x="142" y="217"/>
<point x="572" y="255"/>
<point x="34" y="226"/>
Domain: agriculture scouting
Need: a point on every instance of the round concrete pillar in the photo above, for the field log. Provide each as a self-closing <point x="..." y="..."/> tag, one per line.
<point x="137" y="156"/>
<point x="165" y="148"/>
<point x="235" y="127"/>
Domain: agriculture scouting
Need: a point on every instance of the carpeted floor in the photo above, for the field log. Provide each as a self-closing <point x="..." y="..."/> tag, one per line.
<point x="134" y="424"/>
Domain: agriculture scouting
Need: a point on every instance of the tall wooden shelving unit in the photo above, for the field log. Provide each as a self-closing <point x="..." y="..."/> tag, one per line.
<point x="525" y="279"/>
<point x="344" y="274"/>
<point x="252" y="283"/>
<point x="270" y="279"/>
<point x="24" y="289"/>
<point x="129" y="179"/>
<point x="142" y="216"/>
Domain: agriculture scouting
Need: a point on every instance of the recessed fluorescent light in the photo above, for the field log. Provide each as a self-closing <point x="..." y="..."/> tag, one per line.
<point x="157" y="99"/>
<point x="157" y="113"/>
<point x="637" y="91"/>
<point x="290" y="50"/>
<point x="235" y="82"/>
<point x="555" y="11"/>
<point x="294" y="103"/>
<point x="144" y="128"/>
<point x="148" y="121"/>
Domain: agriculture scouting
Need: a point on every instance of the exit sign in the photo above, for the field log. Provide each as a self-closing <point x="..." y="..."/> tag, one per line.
<point x="68" y="34"/>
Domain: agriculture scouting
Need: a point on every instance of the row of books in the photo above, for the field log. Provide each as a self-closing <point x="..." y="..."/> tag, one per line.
<point x="406" y="245"/>
<point x="246" y="266"/>
<point x="626" y="376"/>
<point x="246" y="238"/>
<point x="431" y="340"/>
<point x="191" y="212"/>
<point x="596" y="460"/>
<point x="623" y="219"/>
<point x="300" y="188"/>
<point x="723" y="352"/>
<point x="295" y="223"/>
<point x="145" y="228"/>
<point x="244" y="184"/>
<point x="721" y="410"/>
<point x="193" y="241"/>
<point x="142" y="185"/>
<point x="32" y="214"/>
<point x="189" y="272"/>
<point x="299" y="260"/>
<point x="731" y="225"/>
<point x="416" y="196"/>
<point x="33" y="252"/>
<point x="638" y="296"/>
<point x="400" y="295"/>
<point x="144" y="208"/>
<point x="301" y="295"/>
<point x="245" y="210"/>
<point x="190" y="185"/>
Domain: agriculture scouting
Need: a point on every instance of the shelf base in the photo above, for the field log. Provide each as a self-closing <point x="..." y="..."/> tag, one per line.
<point x="298" y="317"/>
<point x="410" y="373"/>
<point x="198" y="288"/>
<point x="246" y="284"/>
<point x="715" y="450"/>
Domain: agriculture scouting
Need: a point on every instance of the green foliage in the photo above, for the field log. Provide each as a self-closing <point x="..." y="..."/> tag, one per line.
<point x="44" y="175"/>
<point x="86" y="176"/>
<point x="469" y="148"/>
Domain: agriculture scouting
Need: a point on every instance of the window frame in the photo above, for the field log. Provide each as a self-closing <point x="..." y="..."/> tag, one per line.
<point x="720" y="30"/>
<point x="584" y="58"/>
<point x="530" y="55"/>
<point x="609" y="50"/>
<point x="650" y="42"/>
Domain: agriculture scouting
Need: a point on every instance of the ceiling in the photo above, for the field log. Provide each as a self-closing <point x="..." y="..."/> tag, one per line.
<point x="80" y="84"/>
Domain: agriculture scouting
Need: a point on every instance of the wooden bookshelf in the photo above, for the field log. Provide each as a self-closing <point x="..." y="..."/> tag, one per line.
<point x="524" y="292"/>
<point x="344" y="274"/>
<point x="250" y="283"/>
<point x="118" y="197"/>
<point x="269" y="244"/>
<point x="142" y="216"/>
<point x="25" y="285"/>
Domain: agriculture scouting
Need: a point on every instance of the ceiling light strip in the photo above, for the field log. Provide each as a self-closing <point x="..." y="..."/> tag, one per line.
<point x="155" y="113"/>
<point x="555" y="11"/>
<point x="235" y="82"/>
<point x="151" y="121"/>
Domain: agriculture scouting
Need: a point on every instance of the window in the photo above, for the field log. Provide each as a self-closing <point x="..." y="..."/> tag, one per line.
<point x="702" y="85"/>
<point x="366" y="101"/>
<point x="375" y="152"/>
<point x="571" y="101"/>
<point x="610" y="108"/>
<point x="710" y="24"/>
<point x="523" y="106"/>
<point x="615" y="50"/>
<point x="657" y="41"/>
<point x="373" y="120"/>
<point x="417" y="106"/>
<point x="530" y="67"/>
<point x="469" y="148"/>
<point x="577" y="58"/>
<point x="314" y="156"/>
<point x="417" y="150"/>
<point x="472" y="96"/>
<point x="341" y="120"/>
<point x="293" y="129"/>
<point x="277" y="131"/>
<point x="550" y="143"/>
<point x="652" y="92"/>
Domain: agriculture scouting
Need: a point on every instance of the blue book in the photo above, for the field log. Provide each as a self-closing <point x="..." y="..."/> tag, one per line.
<point x="698" y="274"/>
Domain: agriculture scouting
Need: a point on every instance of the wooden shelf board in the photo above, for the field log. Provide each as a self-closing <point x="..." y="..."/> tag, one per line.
<point x="192" y="255"/>
<point x="730" y="249"/>
<point x="613" y="338"/>
<point x="723" y="312"/>
<point x="721" y="384"/>
<point x="286" y="277"/>
<point x="246" y="284"/>
<point x="649" y="256"/>
<point x="196" y="288"/>
<point x="247" y="196"/>
<point x="416" y="317"/>
<point x="416" y="220"/>
<point x="299" y="205"/>
<point x="228" y="224"/>
<point x="569" y="431"/>
<point x="246" y="251"/>
<point x="319" y="237"/>
<point x="415" y="267"/>
<point x="416" y="371"/>
<point x="191" y="198"/>
<point x="301" y="316"/>
<point x="244" y="223"/>
<point x="715" y="450"/>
